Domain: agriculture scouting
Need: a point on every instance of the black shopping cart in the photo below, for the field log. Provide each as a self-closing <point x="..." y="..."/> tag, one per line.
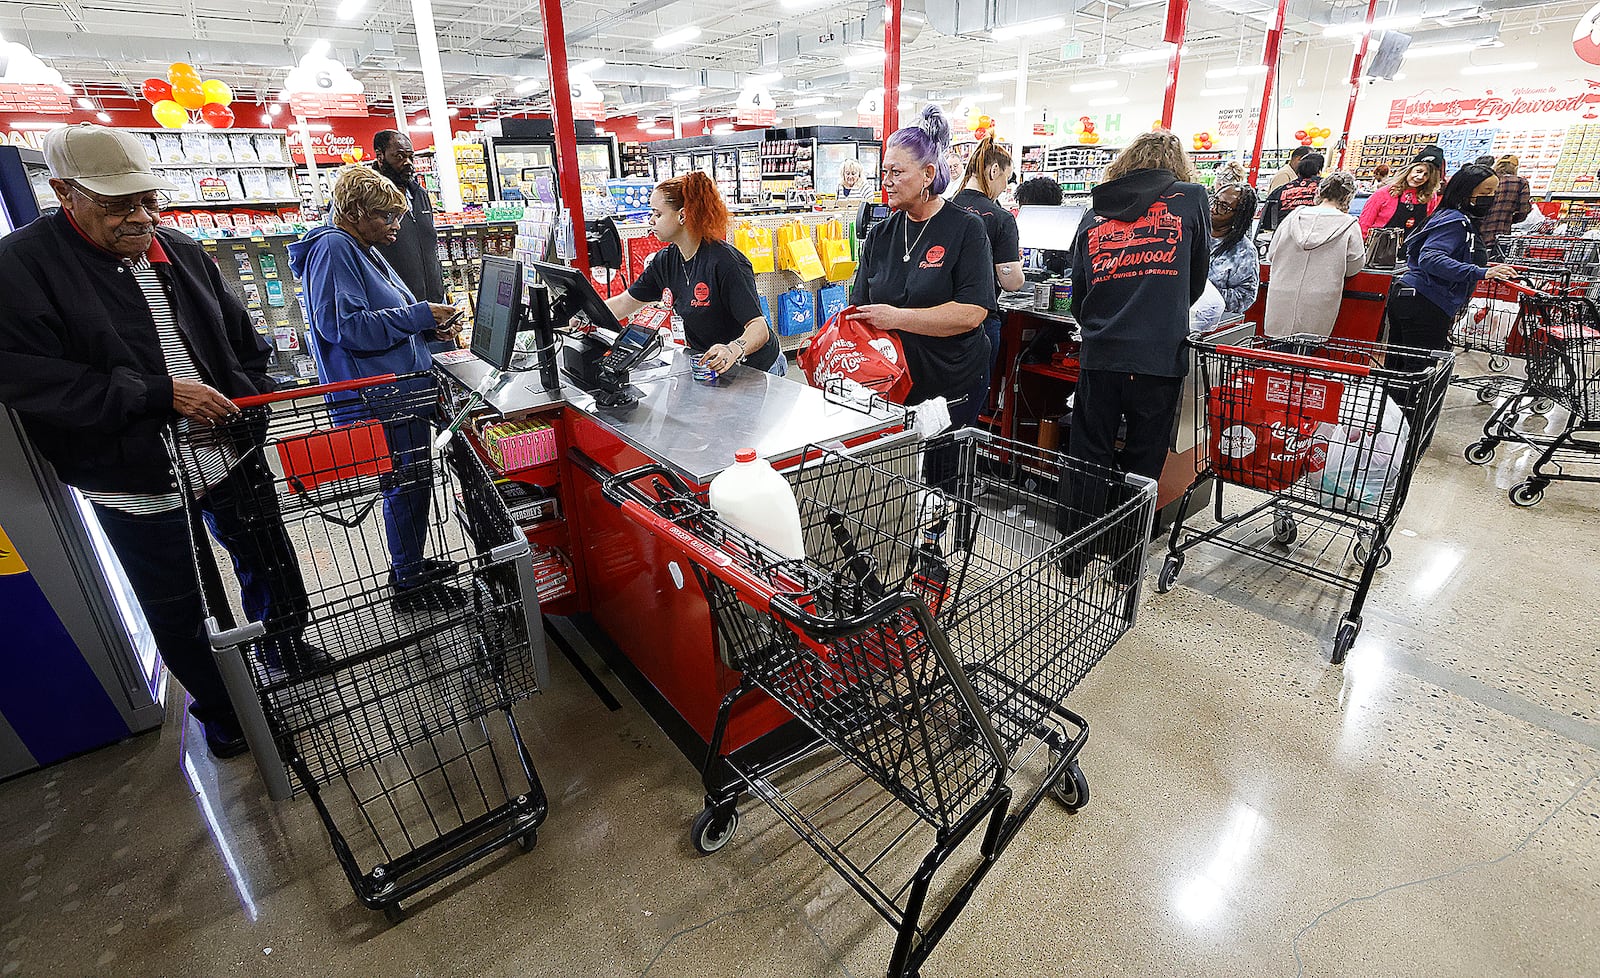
<point x="411" y="707"/>
<point x="1560" y="335"/>
<point x="1326" y="433"/>
<point x="928" y="640"/>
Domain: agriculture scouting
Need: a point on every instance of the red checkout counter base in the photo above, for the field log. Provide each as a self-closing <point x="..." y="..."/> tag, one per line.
<point x="1366" y="296"/>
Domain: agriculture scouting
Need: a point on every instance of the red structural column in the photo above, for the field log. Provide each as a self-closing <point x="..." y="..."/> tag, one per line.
<point x="1355" y="82"/>
<point x="891" y="67"/>
<point x="1177" y="26"/>
<point x="566" y="131"/>
<point x="1270" y="59"/>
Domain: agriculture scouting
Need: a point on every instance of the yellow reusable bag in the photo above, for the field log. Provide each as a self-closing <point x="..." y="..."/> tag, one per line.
<point x="834" y="250"/>
<point x="756" y="243"/>
<point x="803" y="257"/>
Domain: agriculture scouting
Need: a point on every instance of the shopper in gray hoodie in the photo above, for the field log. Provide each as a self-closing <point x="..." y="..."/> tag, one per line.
<point x="1313" y="252"/>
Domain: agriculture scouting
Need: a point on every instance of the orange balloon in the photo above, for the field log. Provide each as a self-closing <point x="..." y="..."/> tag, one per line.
<point x="188" y="94"/>
<point x="182" y="71"/>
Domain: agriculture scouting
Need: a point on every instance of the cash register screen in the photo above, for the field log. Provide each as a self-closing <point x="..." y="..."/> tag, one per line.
<point x="494" y="329"/>
<point x="1052" y="228"/>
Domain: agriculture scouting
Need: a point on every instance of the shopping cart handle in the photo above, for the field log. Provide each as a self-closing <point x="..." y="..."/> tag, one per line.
<point x="619" y="488"/>
<point x="294" y="393"/>
<point x="1516" y="286"/>
<point x="1295" y="360"/>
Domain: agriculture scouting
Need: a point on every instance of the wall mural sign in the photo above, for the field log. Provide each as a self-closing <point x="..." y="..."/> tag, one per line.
<point x="1454" y="108"/>
<point x="1586" y="36"/>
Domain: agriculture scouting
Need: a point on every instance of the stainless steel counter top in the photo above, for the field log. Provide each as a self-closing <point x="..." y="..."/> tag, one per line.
<point x="1025" y="305"/>
<point x="690" y="426"/>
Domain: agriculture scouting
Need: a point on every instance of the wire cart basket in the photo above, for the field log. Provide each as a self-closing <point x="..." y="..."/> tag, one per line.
<point x="1560" y="337"/>
<point x="1326" y="433"/>
<point x="928" y="641"/>
<point x="392" y="711"/>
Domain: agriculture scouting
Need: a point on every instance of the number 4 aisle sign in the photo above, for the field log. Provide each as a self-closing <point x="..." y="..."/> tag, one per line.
<point x="754" y="107"/>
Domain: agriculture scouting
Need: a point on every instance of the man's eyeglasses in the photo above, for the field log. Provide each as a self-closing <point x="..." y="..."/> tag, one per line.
<point x="153" y="204"/>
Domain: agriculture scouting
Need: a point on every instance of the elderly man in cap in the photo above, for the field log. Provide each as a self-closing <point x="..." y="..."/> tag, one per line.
<point x="112" y="331"/>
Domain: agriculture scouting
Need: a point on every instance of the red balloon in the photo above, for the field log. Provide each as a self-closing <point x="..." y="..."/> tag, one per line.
<point x="217" y="116"/>
<point x="156" y="90"/>
<point x="1300" y="134"/>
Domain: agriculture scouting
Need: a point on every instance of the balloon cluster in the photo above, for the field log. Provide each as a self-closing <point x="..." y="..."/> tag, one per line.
<point x="1202" y="140"/>
<point x="980" y="123"/>
<point x="1086" y="134"/>
<point x="353" y="155"/>
<point x="1313" y="136"/>
<point x="183" y="98"/>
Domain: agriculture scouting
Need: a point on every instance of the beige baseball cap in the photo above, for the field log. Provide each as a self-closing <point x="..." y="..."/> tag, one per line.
<point x="105" y="161"/>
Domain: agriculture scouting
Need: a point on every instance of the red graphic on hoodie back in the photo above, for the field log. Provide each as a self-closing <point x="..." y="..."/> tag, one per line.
<point x="1128" y="249"/>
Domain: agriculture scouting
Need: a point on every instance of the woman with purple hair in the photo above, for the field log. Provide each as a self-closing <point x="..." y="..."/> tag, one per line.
<point x="927" y="272"/>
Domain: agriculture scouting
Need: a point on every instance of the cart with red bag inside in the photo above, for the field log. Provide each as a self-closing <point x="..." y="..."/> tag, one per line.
<point x="390" y="708"/>
<point x="1326" y="434"/>
<point x="928" y="640"/>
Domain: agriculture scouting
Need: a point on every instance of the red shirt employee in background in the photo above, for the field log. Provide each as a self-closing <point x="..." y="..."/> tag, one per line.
<point x="713" y="284"/>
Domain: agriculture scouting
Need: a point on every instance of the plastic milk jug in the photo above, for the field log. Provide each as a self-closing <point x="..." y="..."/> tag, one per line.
<point x="756" y="500"/>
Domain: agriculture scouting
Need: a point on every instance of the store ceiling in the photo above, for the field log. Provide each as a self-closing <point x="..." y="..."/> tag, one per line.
<point x="486" y="44"/>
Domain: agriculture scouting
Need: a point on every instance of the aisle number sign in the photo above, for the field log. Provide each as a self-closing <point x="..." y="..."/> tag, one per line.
<point x="588" y="102"/>
<point x="320" y="87"/>
<point x="869" y="111"/>
<point x="755" y="106"/>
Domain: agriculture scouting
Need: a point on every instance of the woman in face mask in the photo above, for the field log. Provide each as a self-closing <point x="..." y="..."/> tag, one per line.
<point x="1445" y="260"/>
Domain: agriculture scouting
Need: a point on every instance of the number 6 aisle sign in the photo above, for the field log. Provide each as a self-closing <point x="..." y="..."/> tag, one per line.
<point x="320" y="87"/>
<point x="754" y="107"/>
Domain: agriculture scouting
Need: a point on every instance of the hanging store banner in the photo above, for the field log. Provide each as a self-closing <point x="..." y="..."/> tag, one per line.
<point x="755" y="106"/>
<point x="1565" y="102"/>
<point x="29" y="85"/>
<point x="41" y="99"/>
<point x="588" y="102"/>
<point x="869" y="111"/>
<point x="1586" y="36"/>
<point x="322" y="88"/>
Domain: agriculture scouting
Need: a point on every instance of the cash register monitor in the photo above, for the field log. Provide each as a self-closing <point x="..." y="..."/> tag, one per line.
<point x="498" y="312"/>
<point x="1046" y="227"/>
<point x="572" y="293"/>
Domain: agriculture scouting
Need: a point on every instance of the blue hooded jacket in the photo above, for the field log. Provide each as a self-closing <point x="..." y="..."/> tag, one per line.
<point x="1445" y="260"/>
<point x="364" y="321"/>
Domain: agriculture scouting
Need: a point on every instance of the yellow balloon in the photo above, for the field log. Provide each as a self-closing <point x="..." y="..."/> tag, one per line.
<point x="216" y="92"/>
<point x="169" y="114"/>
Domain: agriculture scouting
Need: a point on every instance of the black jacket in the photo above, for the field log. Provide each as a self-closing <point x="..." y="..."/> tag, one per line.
<point x="80" y="360"/>
<point x="415" y="253"/>
<point x="1139" y="261"/>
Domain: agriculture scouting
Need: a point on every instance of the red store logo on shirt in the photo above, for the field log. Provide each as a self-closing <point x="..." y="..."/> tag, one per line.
<point x="934" y="257"/>
<point x="702" y="295"/>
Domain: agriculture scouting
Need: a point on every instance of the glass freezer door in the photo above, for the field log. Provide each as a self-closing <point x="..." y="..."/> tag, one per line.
<point x="517" y="164"/>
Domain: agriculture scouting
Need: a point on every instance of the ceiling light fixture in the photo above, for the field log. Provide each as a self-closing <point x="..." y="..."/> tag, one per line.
<point x="531" y="85"/>
<point x="103" y="116"/>
<point x="1500" y="69"/>
<point x="989" y="76"/>
<point x="483" y="101"/>
<point x="658" y="131"/>
<point x="770" y="78"/>
<point x="320" y="127"/>
<point x="862" y="60"/>
<point x="1094" y="86"/>
<point x="1226" y="90"/>
<point x="349" y="8"/>
<point x="684" y="94"/>
<point x="1011" y="32"/>
<point x="830" y="114"/>
<point x="39" y="126"/>
<point x="983" y="97"/>
<point x="1441" y="50"/>
<point x="675" y="38"/>
<point x="1237" y="71"/>
<point x="274" y="109"/>
<point x="86" y="105"/>
<point x="801" y="103"/>
<point x="1160" y="53"/>
<point x="266" y="120"/>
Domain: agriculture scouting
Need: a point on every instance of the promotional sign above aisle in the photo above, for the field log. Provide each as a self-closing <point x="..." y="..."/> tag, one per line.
<point x="320" y="87"/>
<point x="588" y="102"/>
<point x="28" y="84"/>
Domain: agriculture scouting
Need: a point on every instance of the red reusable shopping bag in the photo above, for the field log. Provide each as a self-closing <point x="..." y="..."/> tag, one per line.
<point x="1262" y="422"/>
<point x="848" y="349"/>
<point x="334" y="455"/>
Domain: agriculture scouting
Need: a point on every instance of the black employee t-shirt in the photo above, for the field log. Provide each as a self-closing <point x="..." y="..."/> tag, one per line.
<point x="950" y="263"/>
<point x="997" y="223"/>
<point x="714" y="294"/>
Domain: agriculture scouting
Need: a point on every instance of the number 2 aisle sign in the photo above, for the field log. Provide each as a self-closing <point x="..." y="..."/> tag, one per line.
<point x="754" y="107"/>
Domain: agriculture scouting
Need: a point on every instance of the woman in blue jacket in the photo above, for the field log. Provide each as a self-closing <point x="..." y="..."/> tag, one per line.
<point x="365" y="323"/>
<point x="1444" y="262"/>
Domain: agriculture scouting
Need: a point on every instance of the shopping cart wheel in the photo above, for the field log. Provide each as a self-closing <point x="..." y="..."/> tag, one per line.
<point x="1169" y="573"/>
<point x="1363" y="549"/>
<point x="393" y="913"/>
<point x="712" y="829"/>
<point x="1349" y="628"/>
<point x="1499" y="364"/>
<point x="1480" y="452"/>
<point x="1542" y="406"/>
<point x="1071" y="789"/>
<point x="527" y="840"/>
<point x="1284" y="529"/>
<point x="1529" y="493"/>
<point x="1487" y="394"/>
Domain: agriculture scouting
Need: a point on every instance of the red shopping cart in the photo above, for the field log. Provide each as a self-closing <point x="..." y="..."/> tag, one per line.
<point x="928" y="640"/>
<point x="1326" y="434"/>
<point x="411" y="712"/>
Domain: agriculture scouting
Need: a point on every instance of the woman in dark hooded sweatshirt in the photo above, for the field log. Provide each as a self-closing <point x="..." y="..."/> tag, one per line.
<point x="1139" y="261"/>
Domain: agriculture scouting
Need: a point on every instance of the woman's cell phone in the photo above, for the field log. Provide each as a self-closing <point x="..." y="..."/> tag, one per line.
<point x="460" y="315"/>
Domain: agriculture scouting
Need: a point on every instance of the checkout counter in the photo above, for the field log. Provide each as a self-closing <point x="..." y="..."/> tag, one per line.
<point x="1366" y="296"/>
<point x="637" y="603"/>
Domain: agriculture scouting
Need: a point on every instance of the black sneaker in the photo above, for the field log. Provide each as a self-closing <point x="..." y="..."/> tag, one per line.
<point x="429" y="569"/>
<point x="430" y="598"/>
<point x="224" y="737"/>
<point x="294" y="656"/>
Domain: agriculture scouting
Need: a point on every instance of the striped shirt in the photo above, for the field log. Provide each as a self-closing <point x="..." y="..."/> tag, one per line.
<point x="206" y="458"/>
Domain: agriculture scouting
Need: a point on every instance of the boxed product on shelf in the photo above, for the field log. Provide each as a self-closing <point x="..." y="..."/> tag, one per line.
<point x="517" y="445"/>
<point x="196" y="147"/>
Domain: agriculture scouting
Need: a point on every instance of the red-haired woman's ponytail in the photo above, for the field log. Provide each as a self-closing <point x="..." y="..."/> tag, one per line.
<point x="704" y="211"/>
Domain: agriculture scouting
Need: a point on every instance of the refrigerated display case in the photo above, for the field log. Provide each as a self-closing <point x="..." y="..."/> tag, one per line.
<point x="525" y="152"/>
<point x="24" y="187"/>
<point x="79" y="663"/>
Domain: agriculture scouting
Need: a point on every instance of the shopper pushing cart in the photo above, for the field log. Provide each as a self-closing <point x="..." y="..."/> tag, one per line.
<point x="1326" y="435"/>
<point x="412" y="710"/>
<point x="928" y="640"/>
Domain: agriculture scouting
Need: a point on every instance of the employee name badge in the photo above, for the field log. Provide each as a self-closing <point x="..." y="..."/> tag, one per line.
<point x="286" y="338"/>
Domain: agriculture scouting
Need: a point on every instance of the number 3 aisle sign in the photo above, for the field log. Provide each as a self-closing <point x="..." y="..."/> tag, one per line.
<point x="320" y="87"/>
<point x="754" y="107"/>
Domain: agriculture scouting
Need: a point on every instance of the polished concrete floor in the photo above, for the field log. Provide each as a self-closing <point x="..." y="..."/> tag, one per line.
<point x="1429" y="808"/>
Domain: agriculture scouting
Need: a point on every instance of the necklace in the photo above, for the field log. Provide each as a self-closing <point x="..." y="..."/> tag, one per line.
<point x="905" y="231"/>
